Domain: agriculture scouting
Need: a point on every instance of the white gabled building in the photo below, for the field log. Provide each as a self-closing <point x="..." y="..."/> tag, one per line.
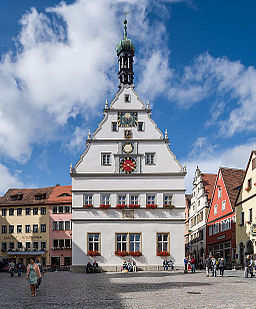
<point x="128" y="164"/>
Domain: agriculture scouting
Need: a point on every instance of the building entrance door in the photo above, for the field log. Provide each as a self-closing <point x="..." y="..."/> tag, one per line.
<point x="55" y="262"/>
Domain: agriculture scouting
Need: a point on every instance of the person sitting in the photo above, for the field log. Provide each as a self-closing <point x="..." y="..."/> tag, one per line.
<point x="165" y="264"/>
<point x="170" y="264"/>
<point x="134" y="267"/>
<point x="88" y="267"/>
<point x="124" y="267"/>
<point x="95" y="266"/>
<point x="129" y="266"/>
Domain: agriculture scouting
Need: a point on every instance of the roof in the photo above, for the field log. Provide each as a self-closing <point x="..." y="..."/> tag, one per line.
<point x="209" y="182"/>
<point x="233" y="179"/>
<point x="50" y="195"/>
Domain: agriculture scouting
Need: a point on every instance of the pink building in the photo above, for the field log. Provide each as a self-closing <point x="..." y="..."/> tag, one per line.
<point x="60" y="228"/>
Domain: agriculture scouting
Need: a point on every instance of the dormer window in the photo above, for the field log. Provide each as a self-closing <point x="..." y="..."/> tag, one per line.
<point x="127" y="98"/>
<point x="17" y="197"/>
<point x="39" y="197"/>
<point x="64" y="194"/>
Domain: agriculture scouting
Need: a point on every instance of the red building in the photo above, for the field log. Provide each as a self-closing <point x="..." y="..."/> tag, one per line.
<point x="221" y="226"/>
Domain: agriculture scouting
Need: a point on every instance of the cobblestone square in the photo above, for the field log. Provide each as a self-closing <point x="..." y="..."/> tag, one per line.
<point x="132" y="290"/>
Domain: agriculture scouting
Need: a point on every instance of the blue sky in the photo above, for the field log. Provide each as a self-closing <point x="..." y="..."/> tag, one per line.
<point x="195" y="62"/>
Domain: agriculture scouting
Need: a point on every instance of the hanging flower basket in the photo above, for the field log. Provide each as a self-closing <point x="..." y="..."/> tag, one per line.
<point x="163" y="253"/>
<point x="135" y="253"/>
<point x="121" y="253"/>
<point x="93" y="253"/>
<point x="170" y="206"/>
<point x="248" y="189"/>
<point x="133" y="206"/>
<point x="104" y="206"/>
<point x="152" y="206"/>
<point x="88" y="206"/>
<point x="121" y="206"/>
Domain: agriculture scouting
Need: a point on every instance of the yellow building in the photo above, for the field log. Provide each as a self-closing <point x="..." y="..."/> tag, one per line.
<point x="246" y="212"/>
<point x="24" y="224"/>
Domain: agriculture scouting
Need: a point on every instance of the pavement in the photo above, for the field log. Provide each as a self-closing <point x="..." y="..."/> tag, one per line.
<point x="172" y="289"/>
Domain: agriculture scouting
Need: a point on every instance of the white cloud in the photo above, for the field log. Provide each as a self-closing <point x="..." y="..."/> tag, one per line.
<point x="78" y="139"/>
<point x="209" y="159"/>
<point x="8" y="179"/>
<point x="66" y="64"/>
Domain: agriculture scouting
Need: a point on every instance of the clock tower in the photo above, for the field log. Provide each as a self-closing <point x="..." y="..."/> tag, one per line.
<point x="128" y="194"/>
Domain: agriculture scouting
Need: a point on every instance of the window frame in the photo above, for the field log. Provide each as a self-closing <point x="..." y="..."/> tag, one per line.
<point x="19" y="211"/>
<point x="19" y="226"/>
<point x="168" y="202"/>
<point x="142" y="124"/>
<point x="112" y="126"/>
<point x="11" y="209"/>
<point x="11" y="229"/>
<point x="43" y="211"/>
<point x="108" y="163"/>
<point x="219" y="192"/>
<point x="127" y="98"/>
<point x="140" y="242"/>
<point x="223" y="203"/>
<point x="35" y="228"/>
<point x="4" y="229"/>
<point x="136" y="196"/>
<point x="93" y="242"/>
<point x="168" y="241"/>
<point x="87" y="199"/>
<point x="43" y="228"/>
<point x="35" y="211"/>
<point x="103" y="202"/>
<point x="27" y="225"/>
<point x="215" y="209"/>
<point x="28" y="211"/>
<point x="151" y="155"/>
<point x="150" y="195"/>
<point x="4" y="212"/>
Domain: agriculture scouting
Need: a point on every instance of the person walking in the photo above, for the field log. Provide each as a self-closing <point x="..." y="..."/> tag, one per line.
<point x="33" y="274"/>
<point x="39" y="280"/>
<point x="246" y="266"/>
<point x="208" y="264"/>
<point x="193" y="264"/>
<point x="221" y="266"/>
<point x="11" y="268"/>
<point x="19" y="267"/>
<point x="251" y="266"/>
<point x="214" y="267"/>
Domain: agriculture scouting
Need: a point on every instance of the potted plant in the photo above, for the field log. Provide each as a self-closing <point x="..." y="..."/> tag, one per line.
<point x="104" y="206"/>
<point x="163" y="253"/>
<point x="170" y="206"/>
<point x="121" y="206"/>
<point x="121" y="253"/>
<point x="133" y="206"/>
<point x="152" y="206"/>
<point x="88" y="206"/>
<point x="135" y="253"/>
<point x="93" y="253"/>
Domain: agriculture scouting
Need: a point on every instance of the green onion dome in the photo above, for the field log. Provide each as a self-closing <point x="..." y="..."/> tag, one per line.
<point x="125" y="44"/>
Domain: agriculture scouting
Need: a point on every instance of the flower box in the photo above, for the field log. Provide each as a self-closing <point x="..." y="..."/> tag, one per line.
<point x="104" y="206"/>
<point x="248" y="189"/>
<point x="170" y="206"/>
<point x="93" y="253"/>
<point x="163" y="253"/>
<point x="133" y="206"/>
<point x="121" y="253"/>
<point x="152" y="206"/>
<point x="121" y="206"/>
<point x="135" y="253"/>
<point x="88" y="206"/>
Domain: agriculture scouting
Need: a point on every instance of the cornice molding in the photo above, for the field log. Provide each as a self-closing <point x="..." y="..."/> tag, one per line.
<point x="96" y="175"/>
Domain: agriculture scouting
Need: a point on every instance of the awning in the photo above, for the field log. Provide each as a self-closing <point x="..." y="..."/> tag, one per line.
<point x="25" y="252"/>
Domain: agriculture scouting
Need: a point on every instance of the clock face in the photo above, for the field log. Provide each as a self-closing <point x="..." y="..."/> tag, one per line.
<point x="127" y="148"/>
<point x="127" y="165"/>
<point x="127" y="119"/>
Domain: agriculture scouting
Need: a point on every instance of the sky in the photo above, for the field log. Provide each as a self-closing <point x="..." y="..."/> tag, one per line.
<point x="195" y="62"/>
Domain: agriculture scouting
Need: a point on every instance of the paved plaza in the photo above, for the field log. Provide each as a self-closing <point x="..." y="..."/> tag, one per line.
<point x="138" y="290"/>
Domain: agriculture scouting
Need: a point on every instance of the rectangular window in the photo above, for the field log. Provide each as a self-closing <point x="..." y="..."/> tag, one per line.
<point x="242" y="218"/>
<point x="4" y="229"/>
<point x="35" y="228"/>
<point x="250" y="215"/>
<point x="11" y="245"/>
<point x="151" y="199"/>
<point x="43" y="210"/>
<point x="35" y="211"/>
<point x="105" y="199"/>
<point x="67" y="243"/>
<point x="140" y="126"/>
<point x="114" y="127"/>
<point x="127" y="98"/>
<point x="4" y="246"/>
<point x="61" y="243"/>
<point x="4" y="212"/>
<point x="229" y="223"/>
<point x="150" y="158"/>
<point x="28" y="245"/>
<point x="43" y="228"/>
<point x="167" y="199"/>
<point x="11" y="228"/>
<point x="223" y="205"/>
<point x="28" y="211"/>
<point x="134" y="199"/>
<point x="19" y="245"/>
<point x="11" y="212"/>
<point x="60" y="209"/>
<point x="43" y="245"/>
<point x="135" y="242"/>
<point x="210" y="230"/>
<point x="55" y="226"/>
<point x="215" y="209"/>
<point x="163" y="241"/>
<point x="67" y="225"/>
<point x="93" y="242"/>
<point x="88" y="199"/>
<point x="55" y="243"/>
<point x="219" y="192"/>
<point x="249" y="183"/>
<point x="105" y="159"/>
<point x="61" y="225"/>
<point x="19" y="211"/>
<point x="121" y="241"/>
<point x="35" y="245"/>
<point x="27" y="229"/>
<point x="67" y="209"/>
<point x="253" y="163"/>
<point x="234" y="219"/>
<point x="121" y="199"/>
<point x="54" y="209"/>
<point x="19" y="228"/>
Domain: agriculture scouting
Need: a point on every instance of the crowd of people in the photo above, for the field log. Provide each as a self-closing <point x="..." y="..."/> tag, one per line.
<point x="129" y="266"/>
